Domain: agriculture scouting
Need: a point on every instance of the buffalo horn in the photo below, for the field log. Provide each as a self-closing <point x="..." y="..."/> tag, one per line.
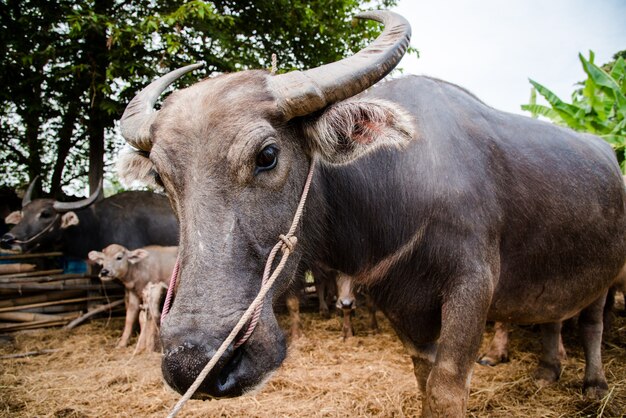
<point x="139" y="114"/>
<point x="301" y="93"/>
<point x="28" y="196"/>
<point x="79" y="204"/>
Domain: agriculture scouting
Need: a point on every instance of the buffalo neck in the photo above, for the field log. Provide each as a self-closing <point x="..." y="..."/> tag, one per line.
<point x="361" y="213"/>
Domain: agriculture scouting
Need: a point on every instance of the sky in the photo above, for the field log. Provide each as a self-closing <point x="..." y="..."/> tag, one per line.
<point x="492" y="47"/>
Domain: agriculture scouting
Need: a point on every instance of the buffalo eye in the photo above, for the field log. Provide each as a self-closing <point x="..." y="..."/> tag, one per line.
<point x="266" y="159"/>
<point x="119" y="257"/>
<point x="45" y="213"/>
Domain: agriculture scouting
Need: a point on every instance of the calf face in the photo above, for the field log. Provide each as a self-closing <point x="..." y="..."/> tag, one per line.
<point x="116" y="260"/>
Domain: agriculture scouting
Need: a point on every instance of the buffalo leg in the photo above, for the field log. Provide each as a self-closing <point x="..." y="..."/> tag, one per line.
<point x="143" y="333"/>
<point x="498" y="351"/>
<point x="322" y="288"/>
<point x="549" y="368"/>
<point x="132" y="313"/>
<point x="347" y="330"/>
<point x="423" y="357"/>
<point x="293" y="306"/>
<point x="371" y="309"/>
<point x="463" y="316"/>
<point x="590" y="323"/>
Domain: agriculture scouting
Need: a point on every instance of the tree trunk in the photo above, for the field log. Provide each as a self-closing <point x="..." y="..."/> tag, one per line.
<point x="32" y="117"/>
<point x="96" y="53"/>
<point x="64" y="145"/>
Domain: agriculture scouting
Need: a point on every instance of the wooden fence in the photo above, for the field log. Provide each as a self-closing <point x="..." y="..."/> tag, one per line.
<point x="36" y="293"/>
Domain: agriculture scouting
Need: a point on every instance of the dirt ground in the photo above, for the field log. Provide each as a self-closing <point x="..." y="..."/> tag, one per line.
<point x="368" y="376"/>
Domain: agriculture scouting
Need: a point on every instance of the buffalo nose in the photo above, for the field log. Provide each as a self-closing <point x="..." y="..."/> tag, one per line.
<point x="104" y="272"/>
<point x="183" y="361"/>
<point x="346" y="303"/>
<point x="6" y="240"/>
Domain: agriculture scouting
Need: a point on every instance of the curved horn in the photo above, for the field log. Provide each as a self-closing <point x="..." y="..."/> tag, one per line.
<point x="79" y="204"/>
<point x="301" y="93"/>
<point x="28" y="196"/>
<point x="139" y="114"/>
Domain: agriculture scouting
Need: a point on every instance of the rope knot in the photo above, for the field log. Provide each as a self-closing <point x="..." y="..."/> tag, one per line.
<point x="289" y="242"/>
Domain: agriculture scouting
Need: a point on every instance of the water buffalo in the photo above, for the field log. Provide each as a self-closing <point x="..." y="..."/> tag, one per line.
<point x="133" y="219"/>
<point x="346" y="305"/>
<point x="449" y="212"/>
<point x="135" y="269"/>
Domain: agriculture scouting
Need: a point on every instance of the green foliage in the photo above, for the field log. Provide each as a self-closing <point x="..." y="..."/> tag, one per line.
<point x="598" y="107"/>
<point x="69" y="68"/>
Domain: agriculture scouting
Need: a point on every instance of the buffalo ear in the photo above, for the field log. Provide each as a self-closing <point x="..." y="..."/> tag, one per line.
<point x="96" y="256"/>
<point x="69" y="219"/>
<point x="351" y="128"/>
<point x="13" y="218"/>
<point x="135" y="166"/>
<point x="137" y="255"/>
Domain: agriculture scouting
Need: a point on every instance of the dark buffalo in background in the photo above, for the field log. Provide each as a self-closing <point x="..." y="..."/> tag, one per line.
<point x="449" y="212"/>
<point x="9" y="202"/>
<point x="133" y="219"/>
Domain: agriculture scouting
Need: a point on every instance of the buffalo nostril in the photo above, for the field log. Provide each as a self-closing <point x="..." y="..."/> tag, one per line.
<point x="6" y="240"/>
<point x="225" y="374"/>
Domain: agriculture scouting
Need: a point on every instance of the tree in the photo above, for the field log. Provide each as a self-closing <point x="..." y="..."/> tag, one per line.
<point x="598" y="107"/>
<point x="70" y="68"/>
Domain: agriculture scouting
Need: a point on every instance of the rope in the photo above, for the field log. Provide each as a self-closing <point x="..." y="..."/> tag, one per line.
<point x="274" y="65"/>
<point x="37" y="235"/>
<point x="286" y="245"/>
<point x="170" y="289"/>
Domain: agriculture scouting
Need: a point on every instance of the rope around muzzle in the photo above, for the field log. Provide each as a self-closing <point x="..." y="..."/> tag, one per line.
<point x="286" y="245"/>
<point x="40" y="233"/>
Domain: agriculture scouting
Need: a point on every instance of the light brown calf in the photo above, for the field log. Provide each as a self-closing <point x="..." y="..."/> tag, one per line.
<point x="136" y="269"/>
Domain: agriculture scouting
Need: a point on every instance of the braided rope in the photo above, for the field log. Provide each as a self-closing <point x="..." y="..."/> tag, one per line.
<point x="170" y="289"/>
<point x="286" y="245"/>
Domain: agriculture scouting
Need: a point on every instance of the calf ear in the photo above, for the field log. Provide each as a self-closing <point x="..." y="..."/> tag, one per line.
<point x="348" y="129"/>
<point x="96" y="256"/>
<point x="13" y="218"/>
<point x="68" y="219"/>
<point x="137" y="255"/>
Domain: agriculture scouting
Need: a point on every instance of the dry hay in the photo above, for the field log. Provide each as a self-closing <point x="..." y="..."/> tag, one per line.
<point x="323" y="377"/>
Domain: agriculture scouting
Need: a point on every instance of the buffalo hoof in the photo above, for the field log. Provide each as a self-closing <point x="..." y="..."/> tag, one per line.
<point x="493" y="360"/>
<point x="594" y="391"/>
<point x="545" y="375"/>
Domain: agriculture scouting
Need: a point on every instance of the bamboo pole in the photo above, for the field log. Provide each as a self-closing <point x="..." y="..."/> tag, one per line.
<point x="81" y="319"/>
<point x="32" y="325"/>
<point x="43" y="279"/>
<point x="29" y="274"/>
<point x="10" y="288"/>
<point x="30" y="256"/>
<point x="32" y="317"/>
<point x="16" y="268"/>
<point x="44" y="297"/>
<point x="50" y="303"/>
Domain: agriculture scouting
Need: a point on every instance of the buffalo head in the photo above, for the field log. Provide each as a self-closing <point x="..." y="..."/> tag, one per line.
<point x="41" y="222"/>
<point x="232" y="152"/>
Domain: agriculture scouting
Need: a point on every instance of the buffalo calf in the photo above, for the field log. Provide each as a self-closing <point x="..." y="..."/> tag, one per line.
<point x="136" y="269"/>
